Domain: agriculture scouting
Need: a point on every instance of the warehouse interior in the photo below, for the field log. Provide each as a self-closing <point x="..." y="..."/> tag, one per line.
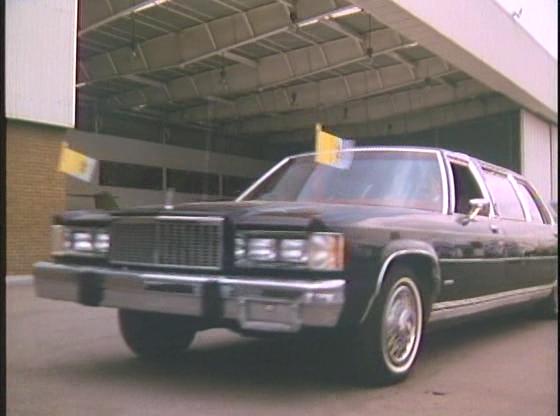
<point x="203" y="96"/>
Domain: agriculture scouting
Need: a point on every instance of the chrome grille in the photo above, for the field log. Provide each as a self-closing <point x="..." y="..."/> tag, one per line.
<point x="167" y="241"/>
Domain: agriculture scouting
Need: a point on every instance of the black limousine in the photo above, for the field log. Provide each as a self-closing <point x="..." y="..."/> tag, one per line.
<point x="397" y="238"/>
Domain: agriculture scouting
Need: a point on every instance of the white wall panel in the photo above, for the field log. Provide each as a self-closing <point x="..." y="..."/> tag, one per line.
<point x="482" y="39"/>
<point x="41" y="60"/>
<point x="537" y="152"/>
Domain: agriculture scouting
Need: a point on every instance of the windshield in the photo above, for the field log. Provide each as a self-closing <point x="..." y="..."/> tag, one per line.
<point x="387" y="178"/>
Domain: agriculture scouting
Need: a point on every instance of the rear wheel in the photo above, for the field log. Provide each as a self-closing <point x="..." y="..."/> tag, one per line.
<point x="387" y="342"/>
<point x="155" y="335"/>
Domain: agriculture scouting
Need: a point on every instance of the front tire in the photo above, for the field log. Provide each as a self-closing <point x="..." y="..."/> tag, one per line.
<point x="387" y="342"/>
<point x="155" y="335"/>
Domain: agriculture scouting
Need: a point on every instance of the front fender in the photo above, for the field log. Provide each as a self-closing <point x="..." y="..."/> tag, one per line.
<point x="405" y="249"/>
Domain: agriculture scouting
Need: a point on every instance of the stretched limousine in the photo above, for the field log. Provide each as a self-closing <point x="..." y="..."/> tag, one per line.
<point x="373" y="250"/>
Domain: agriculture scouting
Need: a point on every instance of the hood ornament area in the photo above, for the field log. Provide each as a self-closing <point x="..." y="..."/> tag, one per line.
<point x="169" y="194"/>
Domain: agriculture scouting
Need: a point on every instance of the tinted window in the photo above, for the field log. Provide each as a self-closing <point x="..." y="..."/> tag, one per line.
<point x="506" y="203"/>
<point x="466" y="188"/>
<point x="385" y="178"/>
<point x="128" y="175"/>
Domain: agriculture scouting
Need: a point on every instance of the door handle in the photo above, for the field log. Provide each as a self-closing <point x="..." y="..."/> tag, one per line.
<point x="494" y="228"/>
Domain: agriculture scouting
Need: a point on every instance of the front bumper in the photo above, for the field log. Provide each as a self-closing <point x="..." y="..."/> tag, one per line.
<point x="277" y="305"/>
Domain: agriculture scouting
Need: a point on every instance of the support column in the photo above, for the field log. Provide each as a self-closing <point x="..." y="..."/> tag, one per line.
<point x="35" y="192"/>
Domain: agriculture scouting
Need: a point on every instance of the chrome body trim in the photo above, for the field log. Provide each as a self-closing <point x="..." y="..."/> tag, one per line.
<point x="278" y="305"/>
<point x="141" y="218"/>
<point x="470" y="306"/>
<point x="450" y="183"/>
<point x="262" y="179"/>
<point x="378" y="148"/>
<point x="476" y="171"/>
<point x="163" y="266"/>
<point x="539" y="199"/>
<point x="522" y="201"/>
<point x="383" y="270"/>
<point x="517" y="259"/>
<point x="444" y="183"/>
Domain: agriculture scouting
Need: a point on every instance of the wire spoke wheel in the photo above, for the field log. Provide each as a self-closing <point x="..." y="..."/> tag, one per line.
<point x="401" y="325"/>
<point x="386" y="344"/>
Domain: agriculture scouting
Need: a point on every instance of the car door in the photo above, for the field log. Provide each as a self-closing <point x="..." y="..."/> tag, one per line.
<point x="539" y="235"/>
<point x="518" y="241"/>
<point x="470" y="256"/>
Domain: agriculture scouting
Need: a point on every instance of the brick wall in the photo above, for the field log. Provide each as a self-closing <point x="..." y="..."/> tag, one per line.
<point x="34" y="192"/>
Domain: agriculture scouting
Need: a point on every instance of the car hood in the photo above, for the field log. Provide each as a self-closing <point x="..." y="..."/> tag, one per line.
<point x="278" y="213"/>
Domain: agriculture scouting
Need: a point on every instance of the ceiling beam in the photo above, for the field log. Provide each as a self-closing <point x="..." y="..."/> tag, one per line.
<point x="344" y="29"/>
<point x="411" y="67"/>
<point x="364" y="110"/>
<point x="278" y="21"/>
<point x="227" y="5"/>
<point x="336" y="65"/>
<point x="273" y="71"/>
<point x="422" y="119"/>
<point x="287" y="3"/>
<point x="240" y="59"/>
<point x="343" y="88"/>
<point x="220" y="100"/>
<point x="152" y="83"/>
<point x="146" y="81"/>
<point x="148" y="4"/>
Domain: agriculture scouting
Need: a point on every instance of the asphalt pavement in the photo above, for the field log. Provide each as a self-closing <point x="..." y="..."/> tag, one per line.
<point x="67" y="359"/>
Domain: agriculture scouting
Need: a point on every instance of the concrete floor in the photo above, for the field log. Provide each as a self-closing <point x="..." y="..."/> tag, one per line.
<point x="66" y="359"/>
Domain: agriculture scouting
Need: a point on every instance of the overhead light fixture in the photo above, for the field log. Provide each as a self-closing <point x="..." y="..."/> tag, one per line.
<point x="343" y="11"/>
<point x="148" y="5"/>
<point x="409" y="45"/>
<point x="307" y="22"/>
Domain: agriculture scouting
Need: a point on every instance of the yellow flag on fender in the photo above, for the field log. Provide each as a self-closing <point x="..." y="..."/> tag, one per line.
<point x="76" y="164"/>
<point x="328" y="149"/>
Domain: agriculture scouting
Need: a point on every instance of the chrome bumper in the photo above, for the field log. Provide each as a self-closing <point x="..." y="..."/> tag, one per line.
<point x="257" y="304"/>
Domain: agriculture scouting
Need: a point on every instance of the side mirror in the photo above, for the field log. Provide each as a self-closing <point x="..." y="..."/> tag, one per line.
<point x="477" y="205"/>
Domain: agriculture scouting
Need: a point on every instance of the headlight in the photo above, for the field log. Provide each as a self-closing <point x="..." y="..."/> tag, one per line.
<point x="261" y="249"/>
<point x="82" y="241"/>
<point x="79" y="241"/>
<point x="320" y="251"/>
<point x="326" y="251"/>
<point x="293" y="250"/>
<point x="101" y="242"/>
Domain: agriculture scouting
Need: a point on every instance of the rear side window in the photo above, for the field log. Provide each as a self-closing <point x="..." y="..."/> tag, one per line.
<point x="535" y="206"/>
<point x="507" y="205"/>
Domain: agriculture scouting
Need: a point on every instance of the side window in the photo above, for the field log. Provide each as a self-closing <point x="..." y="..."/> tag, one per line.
<point x="466" y="188"/>
<point x="535" y="206"/>
<point x="507" y="204"/>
